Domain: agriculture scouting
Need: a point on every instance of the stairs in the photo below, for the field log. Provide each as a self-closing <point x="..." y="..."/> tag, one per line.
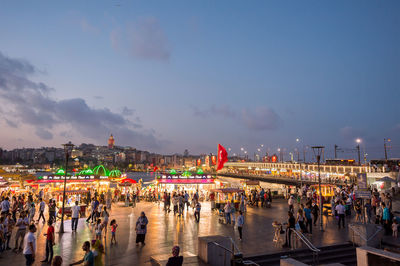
<point x="342" y="253"/>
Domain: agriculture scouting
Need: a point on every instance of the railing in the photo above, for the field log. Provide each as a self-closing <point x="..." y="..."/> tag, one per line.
<point x="232" y="252"/>
<point x="354" y="230"/>
<point x="308" y="243"/>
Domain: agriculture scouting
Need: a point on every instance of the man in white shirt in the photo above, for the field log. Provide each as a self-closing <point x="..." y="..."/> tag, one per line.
<point x="30" y="245"/>
<point x="341" y="210"/>
<point x="42" y="205"/>
<point x="75" y="216"/>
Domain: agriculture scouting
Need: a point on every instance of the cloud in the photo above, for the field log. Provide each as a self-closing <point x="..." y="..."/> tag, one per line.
<point x="261" y="118"/>
<point x="43" y="134"/>
<point x="97" y="97"/>
<point x="143" y="39"/>
<point x="11" y="123"/>
<point x="350" y="133"/>
<point x="87" y="27"/>
<point x="32" y="105"/>
<point x="127" y="111"/>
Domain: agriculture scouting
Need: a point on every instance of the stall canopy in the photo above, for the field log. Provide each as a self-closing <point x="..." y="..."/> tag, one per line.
<point x="128" y="180"/>
<point x="228" y="190"/>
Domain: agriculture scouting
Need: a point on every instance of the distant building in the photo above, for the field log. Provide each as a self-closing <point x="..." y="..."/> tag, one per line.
<point x="111" y="142"/>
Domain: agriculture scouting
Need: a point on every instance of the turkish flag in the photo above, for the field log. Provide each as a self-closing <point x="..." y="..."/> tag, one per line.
<point x="222" y="157"/>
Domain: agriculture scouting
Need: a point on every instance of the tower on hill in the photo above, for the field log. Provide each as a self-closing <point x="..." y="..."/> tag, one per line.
<point x="111" y="142"/>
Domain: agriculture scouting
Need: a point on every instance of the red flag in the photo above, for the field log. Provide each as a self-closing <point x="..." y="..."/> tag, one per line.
<point x="222" y="157"/>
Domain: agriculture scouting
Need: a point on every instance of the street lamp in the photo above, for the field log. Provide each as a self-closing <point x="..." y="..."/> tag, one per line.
<point x="318" y="150"/>
<point x="384" y="146"/>
<point x="358" y="149"/>
<point x="67" y="150"/>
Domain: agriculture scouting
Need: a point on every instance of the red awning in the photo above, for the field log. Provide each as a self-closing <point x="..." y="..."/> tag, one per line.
<point x="228" y="190"/>
<point x="128" y="180"/>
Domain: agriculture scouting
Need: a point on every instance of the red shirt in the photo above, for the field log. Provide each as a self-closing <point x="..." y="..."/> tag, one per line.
<point x="50" y="233"/>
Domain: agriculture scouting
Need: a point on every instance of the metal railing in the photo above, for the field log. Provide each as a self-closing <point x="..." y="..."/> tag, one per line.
<point x="309" y="245"/>
<point x="232" y="252"/>
<point x="354" y="230"/>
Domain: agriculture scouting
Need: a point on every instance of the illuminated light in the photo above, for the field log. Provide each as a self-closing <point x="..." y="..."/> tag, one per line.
<point x="60" y="172"/>
<point x="200" y="171"/>
<point x="115" y="173"/>
<point x="172" y="172"/>
<point x="186" y="174"/>
<point x="97" y="171"/>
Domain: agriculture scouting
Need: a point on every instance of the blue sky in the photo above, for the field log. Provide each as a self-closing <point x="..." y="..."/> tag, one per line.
<point x="170" y="75"/>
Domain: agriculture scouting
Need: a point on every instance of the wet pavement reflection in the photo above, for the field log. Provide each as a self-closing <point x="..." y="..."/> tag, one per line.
<point x="166" y="230"/>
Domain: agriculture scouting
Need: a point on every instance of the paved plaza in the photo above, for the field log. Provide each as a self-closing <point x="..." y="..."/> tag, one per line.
<point x="167" y="230"/>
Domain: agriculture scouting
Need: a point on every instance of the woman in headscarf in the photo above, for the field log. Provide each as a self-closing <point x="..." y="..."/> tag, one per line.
<point x="141" y="229"/>
<point x="175" y="260"/>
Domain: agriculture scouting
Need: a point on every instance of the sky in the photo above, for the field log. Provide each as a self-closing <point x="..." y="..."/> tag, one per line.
<point x="166" y="76"/>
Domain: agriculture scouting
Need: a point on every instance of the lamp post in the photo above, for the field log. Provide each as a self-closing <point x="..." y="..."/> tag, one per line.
<point x="358" y="150"/>
<point x="298" y="159"/>
<point x="385" y="147"/>
<point x="318" y="150"/>
<point x="67" y="150"/>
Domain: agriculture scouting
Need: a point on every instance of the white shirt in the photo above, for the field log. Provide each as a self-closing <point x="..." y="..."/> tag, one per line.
<point x="75" y="211"/>
<point x="340" y="209"/>
<point x="29" y="238"/>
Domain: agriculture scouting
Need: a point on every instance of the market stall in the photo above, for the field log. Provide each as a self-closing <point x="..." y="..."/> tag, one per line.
<point x="224" y="195"/>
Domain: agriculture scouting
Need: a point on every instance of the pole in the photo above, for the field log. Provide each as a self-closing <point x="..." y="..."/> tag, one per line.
<point x="304" y="154"/>
<point x="359" y="156"/>
<point x="63" y="203"/>
<point x="336" y="146"/>
<point x="384" y="146"/>
<point x="320" y="193"/>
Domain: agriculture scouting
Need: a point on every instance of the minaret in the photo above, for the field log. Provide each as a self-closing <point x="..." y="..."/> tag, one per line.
<point x="111" y="142"/>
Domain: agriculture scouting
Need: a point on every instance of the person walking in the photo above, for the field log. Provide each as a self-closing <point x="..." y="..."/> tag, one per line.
<point x="197" y="211"/>
<point x="50" y="242"/>
<point x="227" y="211"/>
<point x="42" y="205"/>
<point x="5" y="206"/>
<point x="291" y="204"/>
<point x="75" y="216"/>
<point x="52" y="211"/>
<point x="114" y="226"/>
<point x="21" y="224"/>
<point x="307" y="213"/>
<point x="187" y="200"/>
<point x="30" y="245"/>
<point x="240" y="223"/>
<point x="341" y="210"/>
<point x="105" y="215"/>
<point x="291" y="225"/>
<point x="141" y="229"/>
<point x="315" y="212"/>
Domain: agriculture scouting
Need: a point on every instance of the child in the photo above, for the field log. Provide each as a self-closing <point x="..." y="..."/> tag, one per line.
<point x="394" y="227"/>
<point x="105" y="216"/>
<point x="98" y="229"/>
<point x="114" y="226"/>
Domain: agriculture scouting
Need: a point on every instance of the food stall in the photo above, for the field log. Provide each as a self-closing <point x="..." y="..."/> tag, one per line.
<point x="185" y="182"/>
<point x="71" y="196"/>
<point x="249" y="185"/>
<point x="328" y="192"/>
<point x="224" y="195"/>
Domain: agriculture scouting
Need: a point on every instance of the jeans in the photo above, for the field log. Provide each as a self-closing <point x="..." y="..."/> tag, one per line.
<point x="341" y="219"/>
<point x="29" y="259"/>
<point x="309" y="225"/>
<point x="49" y="250"/>
<point x="19" y="234"/>
<point x="197" y="216"/>
<point x="74" y="223"/>
<point x="240" y="231"/>
<point x="40" y="216"/>
<point x="228" y="218"/>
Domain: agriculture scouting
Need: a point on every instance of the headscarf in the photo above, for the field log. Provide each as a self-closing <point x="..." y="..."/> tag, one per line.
<point x="175" y="251"/>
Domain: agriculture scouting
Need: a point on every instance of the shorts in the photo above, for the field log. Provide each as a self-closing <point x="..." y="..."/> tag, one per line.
<point x="113" y="233"/>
